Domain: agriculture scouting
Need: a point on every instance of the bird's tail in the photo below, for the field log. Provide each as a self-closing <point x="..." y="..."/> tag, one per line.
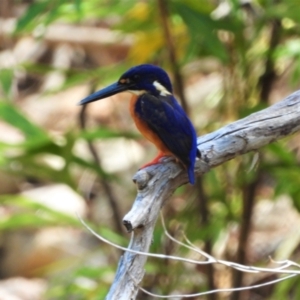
<point x="191" y="175"/>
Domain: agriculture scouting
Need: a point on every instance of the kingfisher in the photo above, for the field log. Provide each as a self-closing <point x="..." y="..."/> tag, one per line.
<point x="157" y="114"/>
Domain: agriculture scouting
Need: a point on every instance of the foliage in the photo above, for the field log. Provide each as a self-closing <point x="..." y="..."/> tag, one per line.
<point x="253" y="47"/>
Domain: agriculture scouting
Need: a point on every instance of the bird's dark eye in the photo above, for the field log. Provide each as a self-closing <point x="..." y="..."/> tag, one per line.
<point x="136" y="77"/>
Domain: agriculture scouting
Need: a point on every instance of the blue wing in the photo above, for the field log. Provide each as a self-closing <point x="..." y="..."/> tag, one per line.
<point x="167" y="119"/>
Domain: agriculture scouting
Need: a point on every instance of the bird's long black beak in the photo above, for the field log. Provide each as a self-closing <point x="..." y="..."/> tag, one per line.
<point x="110" y="90"/>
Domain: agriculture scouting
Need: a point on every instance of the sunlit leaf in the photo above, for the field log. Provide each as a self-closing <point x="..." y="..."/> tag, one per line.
<point x="6" y="80"/>
<point x="35" y="10"/>
<point x="202" y="30"/>
<point x="12" y="116"/>
<point x="32" y="214"/>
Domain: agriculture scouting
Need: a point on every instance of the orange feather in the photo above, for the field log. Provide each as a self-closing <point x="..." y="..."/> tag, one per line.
<point x="148" y="134"/>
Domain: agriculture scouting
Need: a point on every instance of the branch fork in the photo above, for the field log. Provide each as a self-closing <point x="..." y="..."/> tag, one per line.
<point x="155" y="184"/>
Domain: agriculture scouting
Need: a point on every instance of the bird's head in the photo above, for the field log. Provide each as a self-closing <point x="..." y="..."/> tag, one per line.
<point x="137" y="80"/>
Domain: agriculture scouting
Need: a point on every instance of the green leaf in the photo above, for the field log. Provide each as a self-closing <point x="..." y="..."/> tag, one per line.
<point x="283" y="154"/>
<point x="26" y="216"/>
<point x="11" y="115"/>
<point x="6" y="80"/>
<point x="202" y="30"/>
<point x="26" y="21"/>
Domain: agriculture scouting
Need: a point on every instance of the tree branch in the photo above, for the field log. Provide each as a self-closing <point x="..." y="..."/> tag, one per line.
<point x="157" y="183"/>
<point x="112" y="200"/>
<point x="248" y="200"/>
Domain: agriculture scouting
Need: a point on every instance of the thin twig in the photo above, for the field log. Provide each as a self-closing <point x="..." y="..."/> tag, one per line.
<point x="211" y="260"/>
<point x="178" y="80"/>
<point x="204" y="213"/>
<point x="251" y="287"/>
<point x="268" y="77"/>
<point x="245" y="228"/>
<point x="106" y="186"/>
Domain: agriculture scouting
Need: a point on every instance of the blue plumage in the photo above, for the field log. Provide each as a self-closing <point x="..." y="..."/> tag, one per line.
<point x="168" y="120"/>
<point x="156" y="113"/>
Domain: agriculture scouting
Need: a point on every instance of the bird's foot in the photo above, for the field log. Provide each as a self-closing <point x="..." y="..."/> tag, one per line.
<point x="156" y="160"/>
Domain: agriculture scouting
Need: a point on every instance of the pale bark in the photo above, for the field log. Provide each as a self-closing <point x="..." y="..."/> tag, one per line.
<point x="157" y="183"/>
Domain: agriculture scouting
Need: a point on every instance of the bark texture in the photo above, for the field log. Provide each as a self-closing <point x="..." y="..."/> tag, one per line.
<point x="156" y="184"/>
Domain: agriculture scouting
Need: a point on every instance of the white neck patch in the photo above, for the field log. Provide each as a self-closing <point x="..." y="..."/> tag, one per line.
<point x="138" y="93"/>
<point x="159" y="87"/>
<point x="163" y="91"/>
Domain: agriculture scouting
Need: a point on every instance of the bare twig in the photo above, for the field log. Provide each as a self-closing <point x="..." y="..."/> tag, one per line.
<point x="268" y="77"/>
<point x="248" y="206"/>
<point x="106" y="186"/>
<point x="204" y="213"/>
<point x="178" y="80"/>
<point x="281" y="269"/>
<point x="218" y="290"/>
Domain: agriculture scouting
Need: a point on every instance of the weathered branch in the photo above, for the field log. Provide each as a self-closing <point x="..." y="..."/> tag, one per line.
<point x="156" y="184"/>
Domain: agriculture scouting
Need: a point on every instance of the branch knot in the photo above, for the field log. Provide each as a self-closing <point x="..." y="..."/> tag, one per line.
<point x="141" y="179"/>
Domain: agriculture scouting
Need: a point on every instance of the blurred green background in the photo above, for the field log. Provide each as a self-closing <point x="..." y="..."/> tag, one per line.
<point x="226" y="60"/>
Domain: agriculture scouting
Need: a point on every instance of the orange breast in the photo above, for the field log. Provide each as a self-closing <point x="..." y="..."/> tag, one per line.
<point x="145" y="130"/>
